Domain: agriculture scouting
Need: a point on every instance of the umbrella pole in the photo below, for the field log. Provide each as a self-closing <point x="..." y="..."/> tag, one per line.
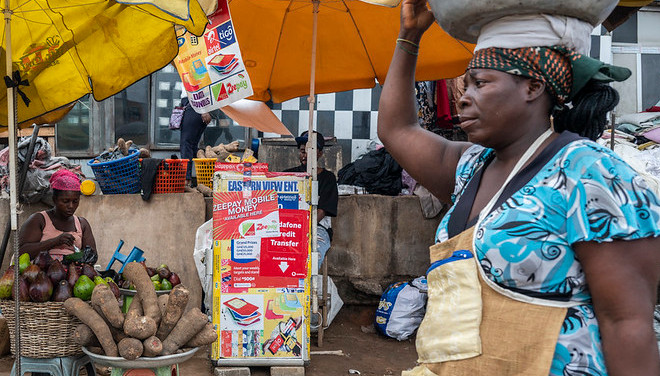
<point x="311" y="158"/>
<point x="11" y="126"/>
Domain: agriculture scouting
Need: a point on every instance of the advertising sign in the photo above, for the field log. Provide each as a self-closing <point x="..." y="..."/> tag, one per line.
<point x="238" y="216"/>
<point x="260" y="283"/>
<point x="211" y="67"/>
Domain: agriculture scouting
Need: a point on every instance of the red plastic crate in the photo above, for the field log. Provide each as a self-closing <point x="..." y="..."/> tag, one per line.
<point x="171" y="176"/>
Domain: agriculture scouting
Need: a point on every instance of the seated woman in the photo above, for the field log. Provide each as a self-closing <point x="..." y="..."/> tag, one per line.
<point x="58" y="230"/>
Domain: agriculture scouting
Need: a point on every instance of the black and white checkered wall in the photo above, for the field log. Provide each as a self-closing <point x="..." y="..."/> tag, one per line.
<point x="350" y="116"/>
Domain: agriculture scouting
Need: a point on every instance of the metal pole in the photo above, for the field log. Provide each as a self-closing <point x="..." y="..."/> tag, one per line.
<point x="311" y="155"/>
<point x="21" y="184"/>
<point x="11" y="126"/>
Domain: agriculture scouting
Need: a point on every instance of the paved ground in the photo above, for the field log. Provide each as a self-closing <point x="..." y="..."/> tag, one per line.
<point x="351" y="332"/>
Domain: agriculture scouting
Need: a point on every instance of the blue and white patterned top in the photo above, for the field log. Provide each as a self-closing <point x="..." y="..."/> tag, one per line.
<point x="584" y="193"/>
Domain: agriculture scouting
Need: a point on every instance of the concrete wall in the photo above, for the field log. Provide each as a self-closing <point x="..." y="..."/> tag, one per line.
<point x="378" y="240"/>
<point x="164" y="228"/>
<point x="282" y="153"/>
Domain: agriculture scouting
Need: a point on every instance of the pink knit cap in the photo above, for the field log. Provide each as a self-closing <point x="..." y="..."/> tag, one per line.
<point x="65" y="180"/>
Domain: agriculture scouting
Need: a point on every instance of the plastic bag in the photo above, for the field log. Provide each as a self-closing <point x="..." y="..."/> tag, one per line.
<point x="401" y="309"/>
<point x="203" y="256"/>
<point x="87" y="255"/>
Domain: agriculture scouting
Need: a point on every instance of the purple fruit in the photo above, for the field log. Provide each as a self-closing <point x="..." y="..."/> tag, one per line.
<point x="23" y="293"/>
<point x="31" y="273"/>
<point x="41" y="289"/>
<point x="56" y="272"/>
<point x="62" y="292"/>
<point x="43" y="260"/>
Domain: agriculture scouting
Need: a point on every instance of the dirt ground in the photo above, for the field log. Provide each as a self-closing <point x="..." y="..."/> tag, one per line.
<point x="351" y="332"/>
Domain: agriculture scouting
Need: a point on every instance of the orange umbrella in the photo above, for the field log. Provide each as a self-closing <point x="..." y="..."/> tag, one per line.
<point x="355" y="43"/>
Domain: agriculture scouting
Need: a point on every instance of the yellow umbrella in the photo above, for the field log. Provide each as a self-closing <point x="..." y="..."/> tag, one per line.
<point x="68" y="48"/>
<point x="355" y="45"/>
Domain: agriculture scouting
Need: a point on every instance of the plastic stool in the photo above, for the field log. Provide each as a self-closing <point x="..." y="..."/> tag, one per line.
<point x="65" y="366"/>
<point x="172" y="370"/>
<point x="135" y="255"/>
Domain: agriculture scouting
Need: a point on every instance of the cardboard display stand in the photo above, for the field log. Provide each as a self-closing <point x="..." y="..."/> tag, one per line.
<point x="261" y="284"/>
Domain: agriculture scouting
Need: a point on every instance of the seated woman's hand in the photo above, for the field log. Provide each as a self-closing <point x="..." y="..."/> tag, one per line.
<point x="65" y="239"/>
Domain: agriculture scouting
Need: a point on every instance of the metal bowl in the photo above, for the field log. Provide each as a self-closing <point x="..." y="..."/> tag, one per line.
<point x="127" y="292"/>
<point x="463" y="19"/>
<point x="143" y="362"/>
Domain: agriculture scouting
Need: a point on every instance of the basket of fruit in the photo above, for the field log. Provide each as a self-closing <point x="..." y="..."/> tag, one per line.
<point x="43" y="285"/>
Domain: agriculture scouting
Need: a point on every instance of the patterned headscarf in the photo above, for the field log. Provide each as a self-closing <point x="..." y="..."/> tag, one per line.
<point x="564" y="72"/>
<point x="65" y="180"/>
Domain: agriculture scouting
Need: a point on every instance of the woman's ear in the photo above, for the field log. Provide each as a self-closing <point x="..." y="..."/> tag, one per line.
<point x="535" y="89"/>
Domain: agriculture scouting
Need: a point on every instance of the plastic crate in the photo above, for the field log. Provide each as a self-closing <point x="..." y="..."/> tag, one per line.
<point x="204" y="169"/>
<point x="118" y="176"/>
<point x="171" y="176"/>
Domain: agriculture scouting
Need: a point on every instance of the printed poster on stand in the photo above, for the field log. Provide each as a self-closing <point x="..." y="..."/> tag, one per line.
<point x="211" y="67"/>
<point x="261" y="284"/>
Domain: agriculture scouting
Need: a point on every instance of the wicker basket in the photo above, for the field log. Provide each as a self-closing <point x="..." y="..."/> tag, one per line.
<point x="46" y="329"/>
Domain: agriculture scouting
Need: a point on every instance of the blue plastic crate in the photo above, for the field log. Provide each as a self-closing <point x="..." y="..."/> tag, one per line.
<point x="118" y="176"/>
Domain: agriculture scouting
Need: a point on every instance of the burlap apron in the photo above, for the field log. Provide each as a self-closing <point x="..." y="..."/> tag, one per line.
<point x="513" y="337"/>
<point x="472" y="326"/>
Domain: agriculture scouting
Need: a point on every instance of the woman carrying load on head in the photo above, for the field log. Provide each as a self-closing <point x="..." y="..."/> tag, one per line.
<point x="58" y="230"/>
<point x="576" y="224"/>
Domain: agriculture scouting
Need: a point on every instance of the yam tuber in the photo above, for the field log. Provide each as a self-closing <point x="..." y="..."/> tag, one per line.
<point x="104" y="300"/>
<point x="135" y="309"/>
<point x="206" y="336"/>
<point x="176" y="304"/>
<point x="190" y="324"/>
<point x="141" y="328"/>
<point x="84" y="336"/>
<point x="162" y="304"/>
<point x="85" y="313"/>
<point x="152" y="346"/>
<point x="130" y="348"/>
<point x="137" y="274"/>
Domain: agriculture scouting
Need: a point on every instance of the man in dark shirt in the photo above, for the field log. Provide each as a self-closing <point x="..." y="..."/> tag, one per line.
<point x="328" y="195"/>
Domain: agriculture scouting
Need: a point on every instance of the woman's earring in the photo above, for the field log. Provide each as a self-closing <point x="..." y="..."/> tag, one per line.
<point x="552" y="123"/>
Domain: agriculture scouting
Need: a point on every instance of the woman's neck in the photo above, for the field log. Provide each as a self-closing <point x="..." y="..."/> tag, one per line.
<point x="57" y="215"/>
<point x="510" y="154"/>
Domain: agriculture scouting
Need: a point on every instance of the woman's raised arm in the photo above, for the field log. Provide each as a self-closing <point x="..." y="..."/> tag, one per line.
<point x="427" y="157"/>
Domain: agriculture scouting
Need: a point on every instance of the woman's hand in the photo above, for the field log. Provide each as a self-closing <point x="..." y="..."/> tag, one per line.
<point x="65" y="239"/>
<point x="416" y="18"/>
<point x="206" y="118"/>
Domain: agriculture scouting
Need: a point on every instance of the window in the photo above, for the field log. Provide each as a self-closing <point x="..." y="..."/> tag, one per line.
<point x="73" y="132"/>
<point x="140" y="113"/>
<point x="132" y="113"/>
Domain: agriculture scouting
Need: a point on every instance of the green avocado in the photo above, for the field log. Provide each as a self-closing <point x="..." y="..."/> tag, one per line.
<point x="166" y="285"/>
<point x="74" y="257"/>
<point x="99" y="280"/>
<point x="23" y="262"/>
<point x="83" y="288"/>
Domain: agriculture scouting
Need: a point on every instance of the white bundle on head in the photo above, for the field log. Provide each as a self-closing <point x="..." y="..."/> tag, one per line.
<point x="530" y="30"/>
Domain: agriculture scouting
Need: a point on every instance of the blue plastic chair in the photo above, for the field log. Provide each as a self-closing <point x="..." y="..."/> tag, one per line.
<point x="135" y="255"/>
